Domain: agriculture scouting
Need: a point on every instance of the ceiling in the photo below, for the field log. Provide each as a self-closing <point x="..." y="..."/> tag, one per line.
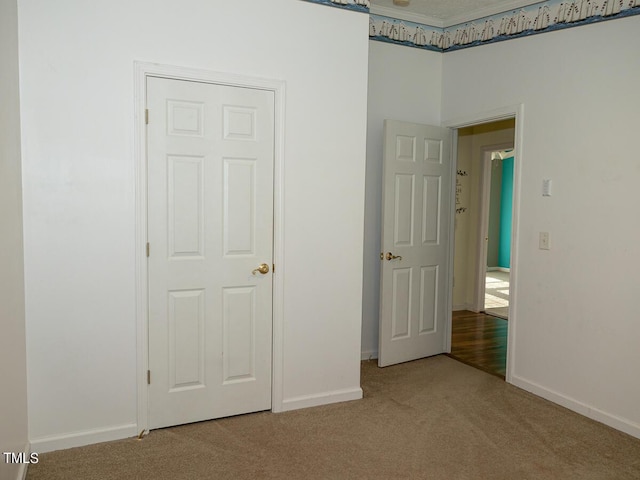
<point x="445" y="13"/>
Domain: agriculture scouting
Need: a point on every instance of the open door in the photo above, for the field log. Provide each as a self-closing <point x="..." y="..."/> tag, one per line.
<point x="416" y="216"/>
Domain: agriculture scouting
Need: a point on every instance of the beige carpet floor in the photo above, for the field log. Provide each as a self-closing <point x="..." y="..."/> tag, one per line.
<point x="430" y="419"/>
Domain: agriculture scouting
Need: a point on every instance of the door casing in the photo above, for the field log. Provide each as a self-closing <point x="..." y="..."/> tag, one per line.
<point x="142" y="71"/>
<point x="517" y="112"/>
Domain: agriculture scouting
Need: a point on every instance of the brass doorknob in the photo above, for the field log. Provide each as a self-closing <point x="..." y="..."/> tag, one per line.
<point x="263" y="269"/>
<point x="391" y="256"/>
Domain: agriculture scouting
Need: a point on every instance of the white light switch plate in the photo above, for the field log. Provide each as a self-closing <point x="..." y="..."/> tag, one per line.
<point x="544" y="241"/>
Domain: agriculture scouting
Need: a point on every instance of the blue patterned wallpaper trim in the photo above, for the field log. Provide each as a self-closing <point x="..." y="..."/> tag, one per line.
<point x="403" y="32"/>
<point x="357" y="5"/>
<point x="542" y="17"/>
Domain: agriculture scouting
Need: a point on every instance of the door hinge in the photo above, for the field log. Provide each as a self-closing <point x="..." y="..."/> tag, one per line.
<point x="146" y="116"/>
<point x="148" y="377"/>
<point x="148" y="249"/>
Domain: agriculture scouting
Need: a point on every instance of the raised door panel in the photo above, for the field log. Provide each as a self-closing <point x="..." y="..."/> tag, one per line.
<point x="401" y="303"/>
<point x="404" y="210"/>
<point x="431" y="206"/>
<point x="186" y="340"/>
<point x="428" y="298"/>
<point x="185" y="118"/>
<point x="433" y="150"/>
<point x="405" y="148"/>
<point x="239" y="123"/>
<point x="239" y="206"/>
<point x="238" y="332"/>
<point x="185" y="206"/>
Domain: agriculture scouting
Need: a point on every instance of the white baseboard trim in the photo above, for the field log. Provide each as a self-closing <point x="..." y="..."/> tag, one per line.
<point x="326" y="398"/>
<point x="457" y="308"/>
<point x="619" y="423"/>
<point x="22" y="471"/>
<point x="86" y="437"/>
<point x="15" y="471"/>
<point x="369" y="355"/>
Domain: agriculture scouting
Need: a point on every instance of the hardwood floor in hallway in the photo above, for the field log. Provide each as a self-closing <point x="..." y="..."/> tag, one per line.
<point x="480" y="340"/>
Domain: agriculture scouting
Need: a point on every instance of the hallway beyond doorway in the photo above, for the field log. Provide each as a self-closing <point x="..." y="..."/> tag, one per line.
<point x="496" y="297"/>
<point x="480" y="340"/>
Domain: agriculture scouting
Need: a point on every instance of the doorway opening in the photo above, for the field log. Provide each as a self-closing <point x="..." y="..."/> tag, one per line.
<point x="498" y="184"/>
<point x="482" y="240"/>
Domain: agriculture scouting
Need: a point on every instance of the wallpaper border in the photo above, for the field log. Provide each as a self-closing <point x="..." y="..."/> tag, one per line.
<point x="404" y="32"/>
<point x="542" y="17"/>
<point x="356" y="5"/>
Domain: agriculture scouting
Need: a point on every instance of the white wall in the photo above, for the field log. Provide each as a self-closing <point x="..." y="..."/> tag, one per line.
<point x="576" y="321"/>
<point x="404" y="84"/>
<point x="13" y="413"/>
<point x="77" y="61"/>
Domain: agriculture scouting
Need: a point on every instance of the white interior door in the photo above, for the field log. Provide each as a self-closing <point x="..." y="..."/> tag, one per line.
<point x="415" y="241"/>
<point x="210" y="225"/>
